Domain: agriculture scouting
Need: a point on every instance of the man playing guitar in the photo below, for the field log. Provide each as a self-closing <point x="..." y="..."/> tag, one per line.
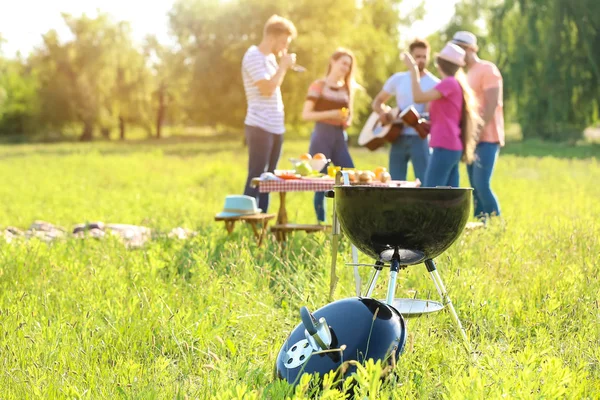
<point x="408" y="146"/>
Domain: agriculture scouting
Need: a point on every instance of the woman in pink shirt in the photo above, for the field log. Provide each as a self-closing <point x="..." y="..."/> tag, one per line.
<point x="452" y="113"/>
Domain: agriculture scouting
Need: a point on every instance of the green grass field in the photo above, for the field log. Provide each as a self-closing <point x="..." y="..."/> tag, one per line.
<point x="204" y="318"/>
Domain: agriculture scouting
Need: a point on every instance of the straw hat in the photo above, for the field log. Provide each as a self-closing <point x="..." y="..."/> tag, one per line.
<point x="464" y="38"/>
<point x="452" y="53"/>
<point x="239" y="205"/>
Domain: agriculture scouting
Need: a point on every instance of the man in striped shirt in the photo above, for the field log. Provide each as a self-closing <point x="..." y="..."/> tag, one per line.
<point x="264" y="123"/>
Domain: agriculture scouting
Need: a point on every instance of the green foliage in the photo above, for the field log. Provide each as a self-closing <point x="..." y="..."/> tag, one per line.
<point x="214" y="36"/>
<point x="93" y="79"/>
<point x="130" y="97"/>
<point x="204" y="318"/>
<point x="18" y="98"/>
<point x="544" y="51"/>
<point x="100" y="81"/>
<point x="170" y="83"/>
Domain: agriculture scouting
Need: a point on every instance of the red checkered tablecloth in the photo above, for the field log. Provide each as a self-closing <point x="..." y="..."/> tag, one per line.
<point x="317" y="185"/>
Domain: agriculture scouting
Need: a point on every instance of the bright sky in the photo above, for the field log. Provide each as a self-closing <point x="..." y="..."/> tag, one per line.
<point x="437" y="14"/>
<point x="22" y="22"/>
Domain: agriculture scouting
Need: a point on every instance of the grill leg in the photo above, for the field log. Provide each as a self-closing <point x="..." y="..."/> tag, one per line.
<point x="336" y="233"/>
<point x="394" y="268"/>
<point x="333" y="277"/>
<point x="439" y="285"/>
<point x="357" y="281"/>
<point x="374" y="276"/>
<point x="335" y="238"/>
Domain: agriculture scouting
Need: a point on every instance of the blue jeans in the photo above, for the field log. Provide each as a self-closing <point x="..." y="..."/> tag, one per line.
<point x="443" y="168"/>
<point x="332" y="141"/>
<point x="480" y="176"/>
<point x="405" y="148"/>
<point x="264" y="150"/>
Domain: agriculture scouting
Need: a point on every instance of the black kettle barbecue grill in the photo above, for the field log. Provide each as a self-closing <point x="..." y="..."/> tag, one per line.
<point x="397" y="227"/>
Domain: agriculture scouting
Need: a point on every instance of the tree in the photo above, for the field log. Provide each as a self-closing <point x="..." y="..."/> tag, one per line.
<point x="132" y="94"/>
<point x="170" y="81"/>
<point x="78" y="77"/>
<point x="214" y="35"/>
<point x="546" y="51"/>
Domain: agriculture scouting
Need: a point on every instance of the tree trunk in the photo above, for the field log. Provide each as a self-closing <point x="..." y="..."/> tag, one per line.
<point x="121" y="128"/>
<point x="20" y="126"/>
<point x="88" y="130"/>
<point x="149" y="132"/>
<point x="161" y="112"/>
<point x="105" y="132"/>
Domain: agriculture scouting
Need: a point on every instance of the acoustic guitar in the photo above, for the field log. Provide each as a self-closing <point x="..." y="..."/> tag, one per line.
<point x="374" y="134"/>
<point x="410" y="116"/>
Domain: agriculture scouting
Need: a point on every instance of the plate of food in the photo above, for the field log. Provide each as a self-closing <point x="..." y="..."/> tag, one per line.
<point x="287" y="174"/>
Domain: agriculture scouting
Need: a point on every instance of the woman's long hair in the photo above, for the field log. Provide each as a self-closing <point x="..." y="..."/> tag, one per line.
<point x="349" y="78"/>
<point x="470" y="119"/>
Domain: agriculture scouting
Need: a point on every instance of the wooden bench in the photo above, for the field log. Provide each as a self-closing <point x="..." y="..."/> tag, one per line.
<point x="281" y="230"/>
<point x="253" y="220"/>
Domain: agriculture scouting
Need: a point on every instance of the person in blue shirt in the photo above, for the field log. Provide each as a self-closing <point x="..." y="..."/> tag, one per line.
<point x="408" y="146"/>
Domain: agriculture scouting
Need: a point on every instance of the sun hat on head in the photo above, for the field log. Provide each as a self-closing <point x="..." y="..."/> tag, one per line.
<point x="452" y="53"/>
<point x="239" y="205"/>
<point x="464" y="38"/>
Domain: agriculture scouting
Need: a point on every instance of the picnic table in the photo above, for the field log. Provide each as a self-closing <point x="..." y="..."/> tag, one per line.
<point x="306" y="184"/>
<point x="254" y="220"/>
